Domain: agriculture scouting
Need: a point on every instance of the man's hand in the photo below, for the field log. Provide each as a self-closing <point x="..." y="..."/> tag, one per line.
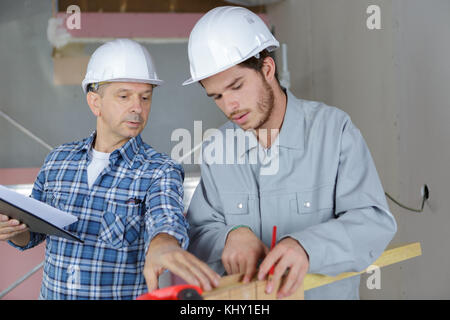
<point x="288" y="253"/>
<point x="242" y="252"/>
<point x="12" y="229"/>
<point x="164" y="252"/>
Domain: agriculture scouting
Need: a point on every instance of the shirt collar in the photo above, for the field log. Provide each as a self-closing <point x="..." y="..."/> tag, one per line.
<point x="127" y="151"/>
<point x="86" y="144"/>
<point x="292" y="130"/>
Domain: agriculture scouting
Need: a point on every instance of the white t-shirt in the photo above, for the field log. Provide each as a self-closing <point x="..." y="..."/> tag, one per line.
<point x="100" y="161"/>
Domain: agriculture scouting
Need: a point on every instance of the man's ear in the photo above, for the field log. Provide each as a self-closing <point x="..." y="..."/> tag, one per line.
<point x="268" y="69"/>
<point x="94" y="101"/>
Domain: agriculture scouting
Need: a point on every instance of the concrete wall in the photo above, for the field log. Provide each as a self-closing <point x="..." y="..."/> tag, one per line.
<point x="393" y="83"/>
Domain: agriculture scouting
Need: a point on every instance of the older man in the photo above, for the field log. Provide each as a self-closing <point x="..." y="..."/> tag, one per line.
<point x="128" y="197"/>
<point x="323" y="194"/>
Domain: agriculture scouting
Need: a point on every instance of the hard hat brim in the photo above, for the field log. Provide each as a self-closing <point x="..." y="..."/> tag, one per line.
<point x="270" y="46"/>
<point x="153" y="81"/>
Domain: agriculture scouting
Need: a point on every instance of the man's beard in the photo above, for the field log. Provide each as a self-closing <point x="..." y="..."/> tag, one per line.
<point x="265" y="105"/>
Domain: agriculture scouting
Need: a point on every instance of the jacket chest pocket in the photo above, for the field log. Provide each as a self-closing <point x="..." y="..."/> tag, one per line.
<point x="313" y="201"/>
<point x="238" y="209"/>
<point x="120" y="224"/>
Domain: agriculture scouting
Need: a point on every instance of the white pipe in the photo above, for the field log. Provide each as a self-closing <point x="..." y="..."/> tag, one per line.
<point x="26" y="131"/>
<point x="22" y="279"/>
<point x="285" y="77"/>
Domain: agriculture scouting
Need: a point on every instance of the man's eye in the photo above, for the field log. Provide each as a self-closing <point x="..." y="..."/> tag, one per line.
<point x="123" y="97"/>
<point x="219" y="96"/>
<point x="237" y="87"/>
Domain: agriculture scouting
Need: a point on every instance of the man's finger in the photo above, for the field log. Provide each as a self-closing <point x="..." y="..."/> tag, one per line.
<point x="151" y="279"/>
<point x="176" y="263"/>
<point x="230" y="263"/>
<point x="185" y="274"/>
<point x="210" y="273"/>
<point x="289" y="283"/>
<point x="227" y="267"/>
<point x="242" y="265"/>
<point x="280" y="269"/>
<point x="10" y="230"/>
<point x="213" y="276"/>
<point x="271" y="259"/>
<point x="297" y="284"/>
<point x="200" y="272"/>
<point x="250" y="269"/>
<point x="234" y="267"/>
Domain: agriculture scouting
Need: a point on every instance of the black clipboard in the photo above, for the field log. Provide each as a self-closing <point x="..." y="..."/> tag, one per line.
<point x="34" y="223"/>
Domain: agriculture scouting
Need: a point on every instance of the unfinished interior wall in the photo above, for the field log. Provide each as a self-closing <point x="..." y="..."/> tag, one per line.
<point x="393" y="83"/>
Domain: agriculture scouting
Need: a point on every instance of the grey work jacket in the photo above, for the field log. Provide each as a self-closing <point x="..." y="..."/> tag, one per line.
<point x="325" y="193"/>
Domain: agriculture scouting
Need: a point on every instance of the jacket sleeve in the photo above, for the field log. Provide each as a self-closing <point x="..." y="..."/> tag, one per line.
<point x="38" y="194"/>
<point x="165" y="207"/>
<point x="363" y="225"/>
<point x="208" y="230"/>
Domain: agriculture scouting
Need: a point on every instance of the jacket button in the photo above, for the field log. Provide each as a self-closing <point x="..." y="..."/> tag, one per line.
<point x="240" y="205"/>
<point x="307" y="204"/>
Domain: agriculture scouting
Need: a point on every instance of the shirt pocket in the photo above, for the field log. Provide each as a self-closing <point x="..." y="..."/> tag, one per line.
<point x="57" y="200"/>
<point x="120" y="224"/>
<point x="237" y="209"/>
<point x="317" y="200"/>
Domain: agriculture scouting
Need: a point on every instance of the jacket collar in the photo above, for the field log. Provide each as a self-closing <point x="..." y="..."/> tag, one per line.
<point x="127" y="151"/>
<point x="291" y="135"/>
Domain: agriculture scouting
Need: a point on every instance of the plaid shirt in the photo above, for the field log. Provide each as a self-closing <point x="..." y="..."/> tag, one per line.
<point x="139" y="195"/>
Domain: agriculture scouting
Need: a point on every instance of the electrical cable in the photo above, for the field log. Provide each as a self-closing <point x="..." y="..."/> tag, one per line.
<point x="425" y="197"/>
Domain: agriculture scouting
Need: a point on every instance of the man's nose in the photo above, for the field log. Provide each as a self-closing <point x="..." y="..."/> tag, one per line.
<point x="136" y="105"/>
<point x="231" y="103"/>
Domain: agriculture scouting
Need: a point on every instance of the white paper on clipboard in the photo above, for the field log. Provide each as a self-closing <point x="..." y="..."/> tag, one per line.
<point x="39" y="216"/>
<point x="40" y="209"/>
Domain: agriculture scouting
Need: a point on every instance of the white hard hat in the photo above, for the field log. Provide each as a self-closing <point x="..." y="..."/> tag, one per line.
<point x="121" y="60"/>
<point x="224" y="37"/>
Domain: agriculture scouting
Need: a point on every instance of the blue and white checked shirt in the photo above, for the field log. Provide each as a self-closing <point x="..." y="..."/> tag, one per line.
<point x="139" y="195"/>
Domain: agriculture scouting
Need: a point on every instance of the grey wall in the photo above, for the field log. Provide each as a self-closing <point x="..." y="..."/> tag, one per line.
<point x="59" y="114"/>
<point x="394" y="83"/>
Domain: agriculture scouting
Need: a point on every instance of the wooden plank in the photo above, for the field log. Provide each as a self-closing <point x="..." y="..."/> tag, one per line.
<point x="390" y="256"/>
<point x="244" y="292"/>
<point x="222" y="292"/>
<point x="231" y="287"/>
